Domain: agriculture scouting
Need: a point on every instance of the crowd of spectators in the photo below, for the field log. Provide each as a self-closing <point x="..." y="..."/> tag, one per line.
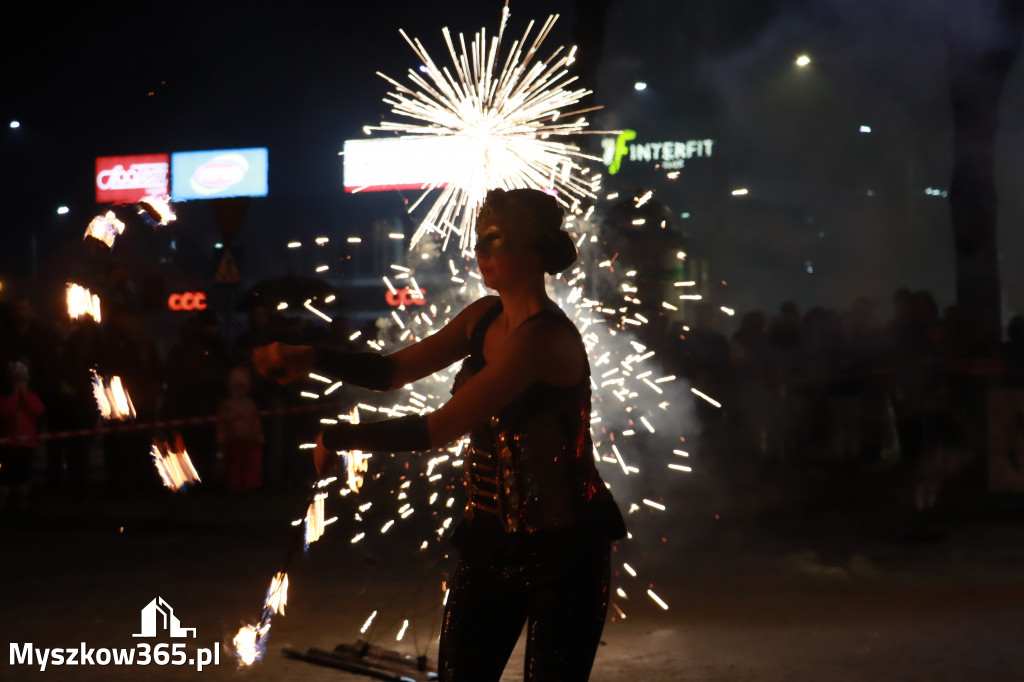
<point x="236" y="425"/>
<point x="829" y="385"/>
<point x="821" y="385"/>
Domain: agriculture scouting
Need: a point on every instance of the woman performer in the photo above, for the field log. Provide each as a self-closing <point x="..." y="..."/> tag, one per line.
<point x="538" y="522"/>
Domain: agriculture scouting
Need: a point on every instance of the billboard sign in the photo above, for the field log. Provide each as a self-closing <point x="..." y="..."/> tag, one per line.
<point x="667" y="154"/>
<point x="218" y="174"/>
<point x="407" y="162"/>
<point x="128" y="179"/>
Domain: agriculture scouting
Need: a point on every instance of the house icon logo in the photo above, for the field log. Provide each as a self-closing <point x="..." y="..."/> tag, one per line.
<point x="158" y="614"/>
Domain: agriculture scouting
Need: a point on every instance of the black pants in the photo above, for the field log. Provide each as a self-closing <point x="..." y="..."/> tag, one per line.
<point x="559" y="589"/>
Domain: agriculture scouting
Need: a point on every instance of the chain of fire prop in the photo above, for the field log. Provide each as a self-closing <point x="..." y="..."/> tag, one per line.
<point x="510" y="115"/>
<point x="171" y="460"/>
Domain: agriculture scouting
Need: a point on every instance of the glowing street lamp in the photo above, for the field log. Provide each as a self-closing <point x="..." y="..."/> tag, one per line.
<point x="803" y="60"/>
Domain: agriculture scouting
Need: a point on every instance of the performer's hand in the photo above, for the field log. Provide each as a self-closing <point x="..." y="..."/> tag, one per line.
<point x="326" y="461"/>
<point x="282" y="362"/>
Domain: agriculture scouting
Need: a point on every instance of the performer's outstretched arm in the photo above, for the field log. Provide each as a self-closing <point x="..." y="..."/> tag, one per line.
<point x="538" y="350"/>
<point x="286" y="363"/>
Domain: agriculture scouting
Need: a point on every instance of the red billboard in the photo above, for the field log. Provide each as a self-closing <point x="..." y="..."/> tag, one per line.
<point x="127" y="179"/>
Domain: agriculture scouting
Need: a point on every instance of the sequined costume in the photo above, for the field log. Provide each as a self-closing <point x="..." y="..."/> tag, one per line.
<point x="535" y="539"/>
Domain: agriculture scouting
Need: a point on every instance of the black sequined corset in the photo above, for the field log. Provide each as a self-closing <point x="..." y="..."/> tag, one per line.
<point x="531" y="467"/>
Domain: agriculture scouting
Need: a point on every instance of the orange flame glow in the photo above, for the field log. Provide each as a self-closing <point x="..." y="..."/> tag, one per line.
<point x="112" y="399"/>
<point x="173" y="463"/>
<point x="81" y="302"/>
<point x="106" y="228"/>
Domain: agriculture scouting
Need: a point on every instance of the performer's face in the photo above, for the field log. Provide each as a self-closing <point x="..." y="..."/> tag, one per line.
<point x="501" y="258"/>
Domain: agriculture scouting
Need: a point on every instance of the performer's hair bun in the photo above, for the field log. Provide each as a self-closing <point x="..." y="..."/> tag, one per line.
<point x="538" y="213"/>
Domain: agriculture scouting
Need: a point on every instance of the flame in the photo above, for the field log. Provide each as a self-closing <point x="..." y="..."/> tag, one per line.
<point x="173" y="464"/>
<point x="249" y="644"/>
<point x="158" y="208"/>
<point x="112" y="399"/>
<point x="277" y="595"/>
<point x="315" y="519"/>
<point x="81" y="302"/>
<point x="356" y="463"/>
<point x="106" y="228"/>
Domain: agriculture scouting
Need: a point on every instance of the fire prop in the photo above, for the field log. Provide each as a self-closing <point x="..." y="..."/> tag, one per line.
<point x="111" y="398"/>
<point x="173" y="464"/>
<point x="81" y="302"/>
<point x="106" y="228"/>
<point x="158" y="209"/>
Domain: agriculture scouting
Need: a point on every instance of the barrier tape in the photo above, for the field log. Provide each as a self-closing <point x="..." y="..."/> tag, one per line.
<point x="188" y="421"/>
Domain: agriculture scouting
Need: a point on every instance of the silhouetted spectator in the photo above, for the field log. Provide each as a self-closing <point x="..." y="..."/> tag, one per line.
<point x="19" y="409"/>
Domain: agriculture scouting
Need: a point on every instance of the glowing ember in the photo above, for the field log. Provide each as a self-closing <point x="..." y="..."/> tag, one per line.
<point x="81" y="302"/>
<point x="106" y="228"/>
<point x="173" y="464"/>
<point x="111" y="398"/>
<point x="496" y="116"/>
<point x="277" y="595"/>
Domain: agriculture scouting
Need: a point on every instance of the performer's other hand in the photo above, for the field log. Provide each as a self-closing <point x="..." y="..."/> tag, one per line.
<point x="282" y="362"/>
<point x="325" y="460"/>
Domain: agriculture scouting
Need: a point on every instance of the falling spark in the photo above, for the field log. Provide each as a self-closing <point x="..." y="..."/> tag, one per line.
<point x="308" y="305"/>
<point x="366" y="625"/>
<point x="111" y="398"/>
<point x="81" y="302"/>
<point x="657" y="599"/>
<point x="106" y="228"/>
<point x="173" y="463"/>
<point x="497" y="118"/>
<point x="706" y="397"/>
<point x="401" y="633"/>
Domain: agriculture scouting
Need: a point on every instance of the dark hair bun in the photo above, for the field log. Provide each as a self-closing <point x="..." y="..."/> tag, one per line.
<point x="558" y="252"/>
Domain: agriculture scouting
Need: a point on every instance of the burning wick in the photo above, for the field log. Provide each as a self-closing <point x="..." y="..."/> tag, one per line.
<point x="81" y="302"/>
<point x="173" y="465"/>
<point x="112" y="399"/>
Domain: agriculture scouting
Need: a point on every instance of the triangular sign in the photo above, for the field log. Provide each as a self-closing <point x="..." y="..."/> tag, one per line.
<point x="227" y="271"/>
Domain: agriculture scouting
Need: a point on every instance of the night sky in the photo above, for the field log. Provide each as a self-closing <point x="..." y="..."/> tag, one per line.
<point x="299" y="79"/>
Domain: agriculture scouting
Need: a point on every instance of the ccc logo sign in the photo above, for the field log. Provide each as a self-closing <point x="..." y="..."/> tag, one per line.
<point x="406" y="296"/>
<point x="190" y="300"/>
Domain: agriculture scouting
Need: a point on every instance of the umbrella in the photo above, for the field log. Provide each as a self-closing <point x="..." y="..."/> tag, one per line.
<point x="290" y="289"/>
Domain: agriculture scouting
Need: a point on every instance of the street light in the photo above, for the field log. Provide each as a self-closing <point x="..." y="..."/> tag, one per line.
<point x="803" y="60"/>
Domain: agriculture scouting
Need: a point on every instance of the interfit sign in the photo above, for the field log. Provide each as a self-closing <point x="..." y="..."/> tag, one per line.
<point x="218" y="174"/>
<point x="128" y="179"/>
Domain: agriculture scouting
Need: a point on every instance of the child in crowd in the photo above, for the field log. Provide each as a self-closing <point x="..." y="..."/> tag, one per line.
<point x="240" y="434"/>
<point x="18" y="412"/>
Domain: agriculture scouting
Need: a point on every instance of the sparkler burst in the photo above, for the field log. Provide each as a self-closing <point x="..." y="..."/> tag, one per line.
<point x="495" y="119"/>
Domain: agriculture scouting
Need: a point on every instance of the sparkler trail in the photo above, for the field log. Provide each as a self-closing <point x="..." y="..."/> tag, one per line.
<point x="497" y="118"/>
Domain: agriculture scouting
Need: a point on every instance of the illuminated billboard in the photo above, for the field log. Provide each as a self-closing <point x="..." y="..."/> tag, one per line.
<point x="218" y="174"/>
<point x="128" y="179"/>
<point x="406" y="163"/>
